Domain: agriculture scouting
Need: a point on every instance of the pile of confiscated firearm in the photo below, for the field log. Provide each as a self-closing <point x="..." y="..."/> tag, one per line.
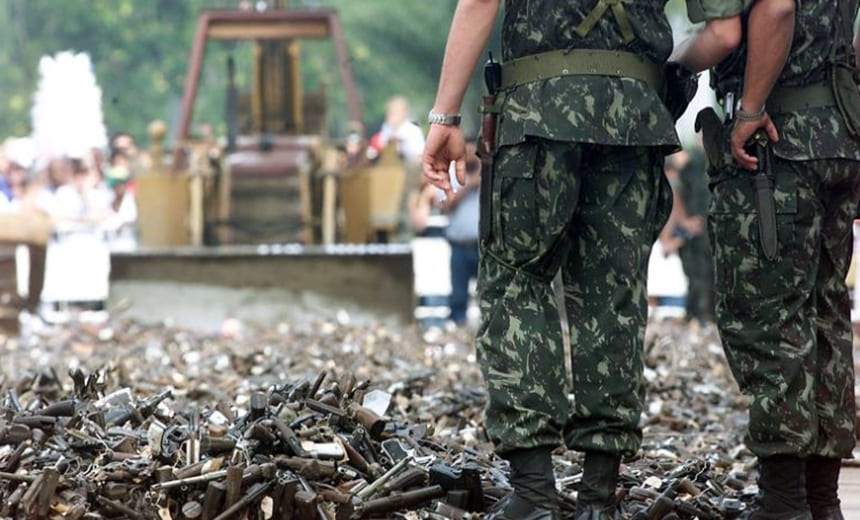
<point x="329" y="446"/>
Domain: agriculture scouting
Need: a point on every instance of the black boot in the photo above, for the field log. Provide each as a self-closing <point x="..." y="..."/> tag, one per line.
<point x="822" y="487"/>
<point x="534" y="496"/>
<point x="782" y="490"/>
<point x="596" y="497"/>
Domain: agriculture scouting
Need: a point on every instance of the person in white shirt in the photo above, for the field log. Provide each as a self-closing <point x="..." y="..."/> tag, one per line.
<point x="399" y="127"/>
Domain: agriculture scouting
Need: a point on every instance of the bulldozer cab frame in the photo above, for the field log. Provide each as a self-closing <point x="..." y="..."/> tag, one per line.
<point x="275" y="25"/>
<point x="269" y="173"/>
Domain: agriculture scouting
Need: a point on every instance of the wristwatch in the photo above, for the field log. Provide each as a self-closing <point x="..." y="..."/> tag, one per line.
<point x="743" y="115"/>
<point x="435" y="118"/>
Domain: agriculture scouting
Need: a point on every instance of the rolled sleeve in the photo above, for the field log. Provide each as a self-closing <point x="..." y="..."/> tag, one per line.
<point x="704" y="10"/>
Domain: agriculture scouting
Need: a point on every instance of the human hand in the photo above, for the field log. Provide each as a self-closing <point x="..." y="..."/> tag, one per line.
<point x="671" y="245"/>
<point x="445" y="144"/>
<point x="449" y="204"/>
<point x="741" y="134"/>
<point x="694" y="226"/>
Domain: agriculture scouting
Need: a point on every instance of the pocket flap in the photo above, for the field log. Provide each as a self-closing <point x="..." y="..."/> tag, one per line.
<point x="516" y="161"/>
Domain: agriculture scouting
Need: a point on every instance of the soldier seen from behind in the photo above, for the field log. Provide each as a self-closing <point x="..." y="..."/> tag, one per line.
<point x="688" y="222"/>
<point x="784" y="183"/>
<point x="573" y="142"/>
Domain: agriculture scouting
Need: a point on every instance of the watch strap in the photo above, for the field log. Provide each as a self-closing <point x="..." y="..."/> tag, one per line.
<point x="436" y="118"/>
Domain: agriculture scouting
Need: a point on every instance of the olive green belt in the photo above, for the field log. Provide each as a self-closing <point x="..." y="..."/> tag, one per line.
<point x="581" y="62"/>
<point x="791" y="99"/>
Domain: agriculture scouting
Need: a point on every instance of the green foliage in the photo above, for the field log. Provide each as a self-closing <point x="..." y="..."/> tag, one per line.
<point x="138" y="48"/>
<point x="397" y="48"/>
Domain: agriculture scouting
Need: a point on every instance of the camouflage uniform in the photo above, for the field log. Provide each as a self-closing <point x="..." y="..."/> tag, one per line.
<point x="577" y="185"/>
<point x="785" y="324"/>
<point x="695" y="253"/>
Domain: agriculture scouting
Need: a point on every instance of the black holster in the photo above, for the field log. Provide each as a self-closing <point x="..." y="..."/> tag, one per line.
<point x="487" y="151"/>
<point x="763" y="184"/>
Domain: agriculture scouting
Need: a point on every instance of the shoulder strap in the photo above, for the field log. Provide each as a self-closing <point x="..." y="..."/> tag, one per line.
<point x="597" y="13"/>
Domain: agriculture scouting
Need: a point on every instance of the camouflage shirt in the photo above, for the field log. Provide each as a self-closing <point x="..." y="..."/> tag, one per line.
<point x="588" y="109"/>
<point x="813" y="133"/>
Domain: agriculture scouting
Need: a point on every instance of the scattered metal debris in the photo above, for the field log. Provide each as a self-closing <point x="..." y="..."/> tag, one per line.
<point x="336" y="423"/>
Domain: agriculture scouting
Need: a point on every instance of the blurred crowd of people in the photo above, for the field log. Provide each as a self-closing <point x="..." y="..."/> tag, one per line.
<point x="686" y="233"/>
<point x="93" y="192"/>
<point x="422" y="201"/>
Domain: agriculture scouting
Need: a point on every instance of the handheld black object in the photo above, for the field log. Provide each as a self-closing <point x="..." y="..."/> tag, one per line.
<point x="493" y="76"/>
<point x="680" y="89"/>
<point x="763" y="184"/>
<point x="489" y="121"/>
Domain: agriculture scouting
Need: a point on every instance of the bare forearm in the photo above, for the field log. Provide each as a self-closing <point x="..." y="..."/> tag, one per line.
<point x="716" y="40"/>
<point x="771" y="29"/>
<point x="470" y="30"/>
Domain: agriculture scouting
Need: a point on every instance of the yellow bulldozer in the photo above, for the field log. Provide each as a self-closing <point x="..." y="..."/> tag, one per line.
<point x="278" y="177"/>
<point x="274" y="207"/>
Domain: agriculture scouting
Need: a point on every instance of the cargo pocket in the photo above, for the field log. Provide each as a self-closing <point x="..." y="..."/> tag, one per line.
<point x="514" y="199"/>
<point x="742" y="271"/>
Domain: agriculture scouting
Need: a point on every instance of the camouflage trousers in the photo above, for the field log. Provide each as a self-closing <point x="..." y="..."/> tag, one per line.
<point x="697" y="261"/>
<point x="785" y="324"/>
<point x="593" y="212"/>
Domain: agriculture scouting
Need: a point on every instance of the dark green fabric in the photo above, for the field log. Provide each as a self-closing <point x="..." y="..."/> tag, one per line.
<point x="785" y="324"/>
<point x="581" y="62"/>
<point x="813" y="133"/>
<point x="591" y="109"/>
<point x="599" y="10"/>
<point x="847" y="95"/>
<point x="792" y="99"/>
<point x="572" y="207"/>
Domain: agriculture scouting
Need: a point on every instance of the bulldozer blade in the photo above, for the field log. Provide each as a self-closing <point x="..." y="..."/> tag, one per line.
<point x="265" y="285"/>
